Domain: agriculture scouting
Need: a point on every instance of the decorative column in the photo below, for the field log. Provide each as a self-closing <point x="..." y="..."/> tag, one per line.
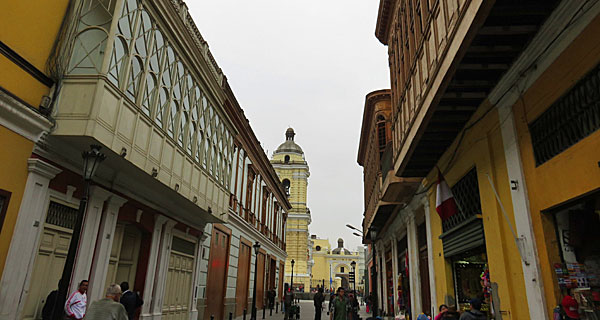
<point x="89" y="234"/>
<point x="380" y="274"/>
<point x="159" y="221"/>
<point x="160" y="278"/>
<point x="430" y="269"/>
<point x="104" y="246"/>
<point x="25" y="240"/>
<point x="395" y="272"/>
<point x="197" y="275"/>
<point x="413" y="264"/>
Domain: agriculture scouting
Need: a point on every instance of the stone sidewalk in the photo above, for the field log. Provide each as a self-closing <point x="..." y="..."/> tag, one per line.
<point x="307" y="312"/>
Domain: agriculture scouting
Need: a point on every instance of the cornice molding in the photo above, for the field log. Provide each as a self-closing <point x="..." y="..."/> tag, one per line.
<point x="22" y="119"/>
<point x="386" y="7"/>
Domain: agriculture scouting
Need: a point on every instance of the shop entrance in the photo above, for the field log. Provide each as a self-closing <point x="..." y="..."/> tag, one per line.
<point x="122" y="264"/>
<point x="578" y="272"/>
<point x="471" y="278"/>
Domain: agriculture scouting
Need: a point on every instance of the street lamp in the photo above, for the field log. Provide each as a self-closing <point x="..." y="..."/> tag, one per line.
<point x="353" y="264"/>
<point x="91" y="161"/>
<point x="353" y="228"/>
<point x="357" y="234"/>
<point x="256" y="247"/>
<point x="373" y="234"/>
<point x="292" y="278"/>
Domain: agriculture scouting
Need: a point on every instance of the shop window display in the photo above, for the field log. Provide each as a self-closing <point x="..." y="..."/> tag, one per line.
<point x="472" y="279"/>
<point x="578" y="272"/>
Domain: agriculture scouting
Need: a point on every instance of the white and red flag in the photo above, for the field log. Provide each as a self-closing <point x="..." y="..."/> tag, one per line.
<point x="445" y="205"/>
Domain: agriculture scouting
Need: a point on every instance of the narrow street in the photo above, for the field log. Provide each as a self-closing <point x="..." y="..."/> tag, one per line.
<point x="307" y="312"/>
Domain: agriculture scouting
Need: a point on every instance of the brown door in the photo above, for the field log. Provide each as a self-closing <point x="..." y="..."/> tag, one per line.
<point x="424" y="271"/>
<point x="217" y="274"/>
<point x="260" y="284"/>
<point x="243" y="277"/>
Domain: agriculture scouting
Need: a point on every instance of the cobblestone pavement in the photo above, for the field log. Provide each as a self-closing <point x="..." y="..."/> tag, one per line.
<point x="307" y="312"/>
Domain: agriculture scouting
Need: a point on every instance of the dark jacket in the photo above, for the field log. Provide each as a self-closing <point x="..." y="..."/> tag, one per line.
<point x="318" y="299"/>
<point x="50" y="301"/>
<point x="473" y="315"/>
<point x="131" y="301"/>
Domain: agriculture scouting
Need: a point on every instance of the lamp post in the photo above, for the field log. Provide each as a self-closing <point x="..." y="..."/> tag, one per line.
<point x="256" y="247"/>
<point x="292" y="278"/>
<point x="91" y="161"/>
<point x="353" y="264"/>
<point x="373" y="234"/>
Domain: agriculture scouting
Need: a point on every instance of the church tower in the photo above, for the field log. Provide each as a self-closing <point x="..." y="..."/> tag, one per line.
<point x="292" y="169"/>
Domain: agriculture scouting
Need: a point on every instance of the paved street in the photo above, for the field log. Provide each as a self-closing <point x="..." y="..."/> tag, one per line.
<point x="307" y="312"/>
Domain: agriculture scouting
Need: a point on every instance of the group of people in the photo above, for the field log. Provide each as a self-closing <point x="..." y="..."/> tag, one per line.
<point x="119" y="303"/>
<point x="341" y="306"/>
<point x="450" y="313"/>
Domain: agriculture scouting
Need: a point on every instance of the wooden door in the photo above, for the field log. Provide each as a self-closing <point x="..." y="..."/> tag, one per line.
<point x="260" y="284"/>
<point x="50" y="260"/>
<point x="243" y="279"/>
<point x="122" y="264"/>
<point x="217" y="274"/>
<point x="180" y="278"/>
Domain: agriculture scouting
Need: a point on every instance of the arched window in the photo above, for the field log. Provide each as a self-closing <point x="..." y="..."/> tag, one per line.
<point x="286" y="186"/>
<point x="381" y="134"/>
<point x="286" y="159"/>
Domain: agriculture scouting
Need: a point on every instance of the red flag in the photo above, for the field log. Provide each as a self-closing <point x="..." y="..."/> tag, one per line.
<point x="445" y="205"/>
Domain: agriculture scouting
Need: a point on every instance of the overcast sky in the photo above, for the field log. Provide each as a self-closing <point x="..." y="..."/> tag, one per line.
<point x="307" y="64"/>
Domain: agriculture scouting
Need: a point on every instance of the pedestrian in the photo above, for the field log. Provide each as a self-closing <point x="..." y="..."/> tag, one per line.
<point x="570" y="306"/>
<point x="443" y="309"/>
<point x="475" y="312"/>
<point x="108" y="308"/>
<point x="287" y="301"/>
<point x="48" y="308"/>
<point x="318" y="301"/>
<point x="130" y="300"/>
<point x="77" y="303"/>
<point x="451" y="314"/>
<point x="353" y="304"/>
<point x="340" y="307"/>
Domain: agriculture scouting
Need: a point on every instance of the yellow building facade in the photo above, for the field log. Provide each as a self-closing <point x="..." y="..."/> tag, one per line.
<point x="513" y="130"/>
<point x="28" y="31"/>
<point x="293" y="171"/>
<point x="332" y="267"/>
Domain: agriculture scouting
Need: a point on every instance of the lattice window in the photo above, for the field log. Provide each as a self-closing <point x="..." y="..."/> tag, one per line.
<point x="571" y="118"/>
<point x="61" y="215"/>
<point x="92" y="34"/>
<point x="466" y="195"/>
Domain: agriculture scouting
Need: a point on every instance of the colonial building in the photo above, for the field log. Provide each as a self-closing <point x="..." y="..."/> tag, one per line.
<point x="333" y="266"/>
<point x="257" y="212"/>
<point x="292" y="169"/>
<point x="136" y="79"/>
<point x="491" y="97"/>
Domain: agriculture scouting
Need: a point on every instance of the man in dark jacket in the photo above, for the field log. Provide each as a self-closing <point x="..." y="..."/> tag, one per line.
<point x="318" y="299"/>
<point x="475" y="312"/>
<point x="130" y="300"/>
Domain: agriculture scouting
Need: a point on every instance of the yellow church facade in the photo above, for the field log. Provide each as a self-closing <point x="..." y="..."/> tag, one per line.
<point x="293" y="171"/>
<point x="332" y="267"/>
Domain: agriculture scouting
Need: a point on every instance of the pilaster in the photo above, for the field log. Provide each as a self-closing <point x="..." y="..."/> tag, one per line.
<point x="104" y="245"/>
<point x="162" y="268"/>
<point x="430" y="269"/>
<point x="89" y="234"/>
<point x="25" y="241"/>
<point x="159" y="221"/>
<point x="413" y="264"/>
<point x="394" y="246"/>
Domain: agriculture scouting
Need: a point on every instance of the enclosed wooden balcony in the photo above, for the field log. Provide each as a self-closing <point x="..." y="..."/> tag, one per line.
<point x="141" y="81"/>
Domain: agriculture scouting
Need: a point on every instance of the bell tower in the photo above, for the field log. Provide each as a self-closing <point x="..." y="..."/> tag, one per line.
<point x="292" y="169"/>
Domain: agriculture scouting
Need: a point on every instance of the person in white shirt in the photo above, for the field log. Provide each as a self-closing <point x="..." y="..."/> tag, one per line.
<point x="77" y="302"/>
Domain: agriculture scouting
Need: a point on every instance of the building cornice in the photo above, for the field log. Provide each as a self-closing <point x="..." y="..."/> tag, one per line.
<point x="21" y="118"/>
<point x="386" y="7"/>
